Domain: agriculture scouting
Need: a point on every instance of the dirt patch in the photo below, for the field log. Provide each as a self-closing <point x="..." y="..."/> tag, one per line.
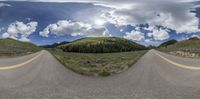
<point x="185" y="54"/>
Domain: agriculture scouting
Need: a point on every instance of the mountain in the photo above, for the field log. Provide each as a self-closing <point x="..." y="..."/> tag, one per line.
<point x="167" y="43"/>
<point x="101" y="45"/>
<point x="152" y="47"/>
<point x="194" y="38"/>
<point x="11" y="47"/>
<point x="55" y="44"/>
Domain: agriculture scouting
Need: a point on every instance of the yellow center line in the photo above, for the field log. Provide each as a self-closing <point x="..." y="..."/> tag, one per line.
<point x="178" y="64"/>
<point x="19" y="65"/>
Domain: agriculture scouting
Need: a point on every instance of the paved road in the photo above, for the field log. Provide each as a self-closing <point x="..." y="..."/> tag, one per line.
<point x="155" y="76"/>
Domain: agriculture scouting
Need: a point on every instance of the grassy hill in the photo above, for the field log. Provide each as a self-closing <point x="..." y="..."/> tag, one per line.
<point x="11" y="47"/>
<point x="190" y="47"/>
<point x="167" y="43"/>
<point x="101" y="45"/>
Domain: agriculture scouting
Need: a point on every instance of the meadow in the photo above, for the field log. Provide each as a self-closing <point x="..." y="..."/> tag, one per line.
<point x="93" y="64"/>
<point x="11" y="47"/>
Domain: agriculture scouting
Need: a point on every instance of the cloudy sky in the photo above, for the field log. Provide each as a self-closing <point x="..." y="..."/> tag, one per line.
<point x="148" y="22"/>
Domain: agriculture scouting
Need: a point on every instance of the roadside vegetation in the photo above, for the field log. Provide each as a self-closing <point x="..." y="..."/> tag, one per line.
<point x="11" y="47"/>
<point x="99" y="56"/>
<point x="93" y="64"/>
<point x="186" y="48"/>
<point x="102" y="56"/>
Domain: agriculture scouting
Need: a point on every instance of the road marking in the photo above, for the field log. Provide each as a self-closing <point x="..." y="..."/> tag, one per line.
<point x="178" y="64"/>
<point x="19" y="65"/>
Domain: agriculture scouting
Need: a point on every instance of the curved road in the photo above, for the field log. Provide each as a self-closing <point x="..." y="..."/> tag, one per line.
<point x="155" y="76"/>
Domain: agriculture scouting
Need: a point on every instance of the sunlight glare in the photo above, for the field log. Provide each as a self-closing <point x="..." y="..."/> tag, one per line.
<point x="99" y="22"/>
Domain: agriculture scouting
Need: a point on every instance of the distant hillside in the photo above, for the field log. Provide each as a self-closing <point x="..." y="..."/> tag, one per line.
<point x="167" y="43"/>
<point x="194" y="38"/>
<point x="190" y="45"/>
<point x="55" y="44"/>
<point x="101" y="45"/>
<point x="11" y="47"/>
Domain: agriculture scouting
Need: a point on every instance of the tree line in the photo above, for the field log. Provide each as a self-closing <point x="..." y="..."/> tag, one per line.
<point x="102" y="47"/>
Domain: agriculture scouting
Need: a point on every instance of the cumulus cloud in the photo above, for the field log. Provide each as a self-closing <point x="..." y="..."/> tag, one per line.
<point x="4" y="5"/>
<point x="103" y="2"/>
<point x="173" y="15"/>
<point x="134" y="35"/>
<point x="64" y="27"/>
<point x="198" y="36"/>
<point x="159" y="33"/>
<point x="19" y="30"/>
<point x="177" y="15"/>
<point x="114" y="19"/>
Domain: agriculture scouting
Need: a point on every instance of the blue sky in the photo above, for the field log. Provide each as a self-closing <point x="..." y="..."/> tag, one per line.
<point x="148" y="23"/>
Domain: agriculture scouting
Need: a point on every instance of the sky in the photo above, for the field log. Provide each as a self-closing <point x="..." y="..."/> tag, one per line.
<point x="148" y="22"/>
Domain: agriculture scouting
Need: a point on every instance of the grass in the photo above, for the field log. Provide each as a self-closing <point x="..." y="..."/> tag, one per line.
<point x="11" y="47"/>
<point x="186" y="48"/>
<point x="189" y="52"/>
<point x="97" y="64"/>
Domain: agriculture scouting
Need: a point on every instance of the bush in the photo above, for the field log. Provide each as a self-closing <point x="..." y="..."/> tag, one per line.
<point x="104" y="74"/>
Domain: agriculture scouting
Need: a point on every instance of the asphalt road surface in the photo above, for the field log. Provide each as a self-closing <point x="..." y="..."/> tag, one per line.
<point x="155" y="76"/>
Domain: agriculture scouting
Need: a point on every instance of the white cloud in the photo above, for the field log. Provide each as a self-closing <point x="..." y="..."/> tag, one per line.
<point x="114" y="19"/>
<point x="121" y="30"/>
<point x="159" y="34"/>
<point x="171" y="14"/>
<point x="112" y="3"/>
<point x="64" y="27"/>
<point x="134" y="35"/>
<point x="198" y="36"/>
<point x="4" y="5"/>
<point x="155" y="33"/>
<point x="148" y="42"/>
<point x="19" y="30"/>
<point x="183" y="23"/>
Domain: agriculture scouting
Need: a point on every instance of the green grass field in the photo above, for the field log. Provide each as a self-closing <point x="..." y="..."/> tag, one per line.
<point x="11" y="47"/>
<point x="97" y="64"/>
<point x="186" y="48"/>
